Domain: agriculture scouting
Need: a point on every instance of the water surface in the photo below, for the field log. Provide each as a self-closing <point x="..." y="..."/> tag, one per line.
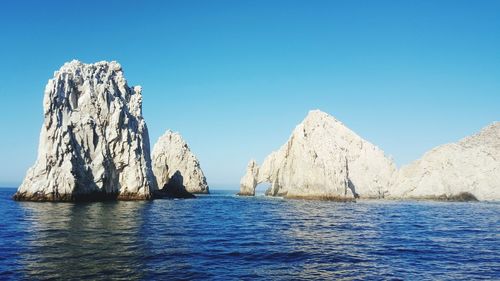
<point x="224" y="237"/>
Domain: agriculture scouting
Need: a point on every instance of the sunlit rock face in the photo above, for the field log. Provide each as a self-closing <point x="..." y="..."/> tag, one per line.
<point x="323" y="159"/>
<point x="249" y="181"/>
<point x="94" y="142"/>
<point x="176" y="167"/>
<point x="471" y="166"/>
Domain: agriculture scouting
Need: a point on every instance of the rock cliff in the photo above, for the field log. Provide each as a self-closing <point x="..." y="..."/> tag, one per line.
<point x="470" y="166"/>
<point x="94" y="142"/>
<point x="323" y="159"/>
<point x="176" y="167"/>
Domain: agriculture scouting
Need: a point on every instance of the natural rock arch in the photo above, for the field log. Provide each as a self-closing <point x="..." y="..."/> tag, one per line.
<point x="322" y="159"/>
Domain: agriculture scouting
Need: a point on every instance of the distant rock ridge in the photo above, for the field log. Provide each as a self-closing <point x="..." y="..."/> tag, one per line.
<point x="470" y="166"/>
<point x="176" y="168"/>
<point x="323" y="159"/>
<point x="94" y="142"/>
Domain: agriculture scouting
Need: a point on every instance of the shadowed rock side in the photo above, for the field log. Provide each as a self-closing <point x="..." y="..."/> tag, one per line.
<point x="323" y="159"/>
<point x="94" y="142"/>
<point x="176" y="167"/>
<point x="174" y="188"/>
<point x="448" y="172"/>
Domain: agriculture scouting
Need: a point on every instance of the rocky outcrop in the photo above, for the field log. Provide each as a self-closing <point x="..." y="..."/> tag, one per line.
<point x="94" y="142"/>
<point x="176" y="168"/>
<point x="468" y="167"/>
<point x="323" y="159"/>
<point x="249" y="180"/>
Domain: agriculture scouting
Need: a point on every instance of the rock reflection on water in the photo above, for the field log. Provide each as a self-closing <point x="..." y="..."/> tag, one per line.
<point x="84" y="241"/>
<point x="222" y="237"/>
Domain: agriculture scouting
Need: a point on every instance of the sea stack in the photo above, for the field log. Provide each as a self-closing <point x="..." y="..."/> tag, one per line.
<point x="94" y="142"/>
<point x="249" y="182"/>
<point x="176" y="168"/>
<point x="323" y="159"/>
<point x="458" y="171"/>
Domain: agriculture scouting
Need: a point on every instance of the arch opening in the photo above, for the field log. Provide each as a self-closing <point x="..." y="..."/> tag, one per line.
<point x="261" y="188"/>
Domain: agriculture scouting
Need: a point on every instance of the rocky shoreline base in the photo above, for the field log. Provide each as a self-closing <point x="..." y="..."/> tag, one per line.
<point x="100" y="196"/>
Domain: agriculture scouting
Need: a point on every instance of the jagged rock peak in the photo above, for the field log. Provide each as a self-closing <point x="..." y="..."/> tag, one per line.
<point x="176" y="167"/>
<point x="315" y="115"/>
<point x="324" y="159"/>
<point x="94" y="142"/>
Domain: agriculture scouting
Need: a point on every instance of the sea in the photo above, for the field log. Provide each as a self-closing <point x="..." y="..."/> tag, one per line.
<point x="225" y="237"/>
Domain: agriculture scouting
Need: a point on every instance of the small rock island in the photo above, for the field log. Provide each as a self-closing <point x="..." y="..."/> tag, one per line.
<point x="176" y="168"/>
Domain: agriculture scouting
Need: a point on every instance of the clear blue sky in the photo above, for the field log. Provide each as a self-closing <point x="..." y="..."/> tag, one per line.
<point x="235" y="77"/>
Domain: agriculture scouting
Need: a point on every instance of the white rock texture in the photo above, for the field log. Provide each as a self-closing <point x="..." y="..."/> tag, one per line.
<point x="323" y="159"/>
<point x="471" y="165"/>
<point x="249" y="181"/>
<point x="174" y="164"/>
<point x="94" y="142"/>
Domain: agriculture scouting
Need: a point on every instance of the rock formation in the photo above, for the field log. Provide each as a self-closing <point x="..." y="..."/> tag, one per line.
<point x="176" y="168"/>
<point x="323" y="159"/>
<point x="470" y="166"/>
<point x="249" y="181"/>
<point x="94" y="142"/>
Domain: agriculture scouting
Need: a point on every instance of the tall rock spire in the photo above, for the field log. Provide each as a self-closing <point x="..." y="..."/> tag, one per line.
<point x="94" y="142"/>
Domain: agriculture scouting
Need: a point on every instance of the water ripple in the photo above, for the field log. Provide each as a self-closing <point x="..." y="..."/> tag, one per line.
<point x="223" y="237"/>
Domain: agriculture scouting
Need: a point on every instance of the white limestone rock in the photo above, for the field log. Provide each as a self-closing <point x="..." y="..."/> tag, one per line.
<point x="94" y="142"/>
<point x="471" y="165"/>
<point x="323" y="159"/>
<point x="176" y="166"/>
<point x="249" y="180"/>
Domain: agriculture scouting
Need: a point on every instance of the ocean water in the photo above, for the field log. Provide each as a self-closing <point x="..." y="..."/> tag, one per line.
<point x="225" y="237"/>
